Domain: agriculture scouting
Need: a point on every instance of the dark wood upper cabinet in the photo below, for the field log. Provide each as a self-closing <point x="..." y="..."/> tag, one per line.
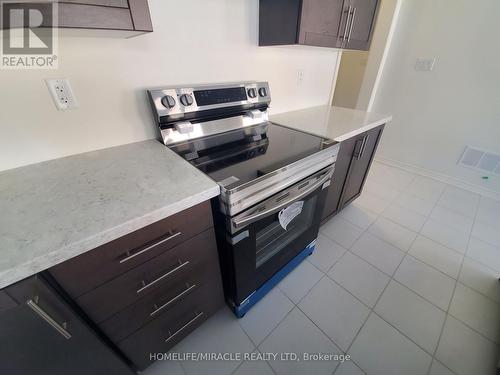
<point x="122" y="15"/>
<point x="324" y="23"/>
<point x="125" y="18"/>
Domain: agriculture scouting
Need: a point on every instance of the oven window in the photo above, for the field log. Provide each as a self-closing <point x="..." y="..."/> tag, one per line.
<point x="273" y="238"/>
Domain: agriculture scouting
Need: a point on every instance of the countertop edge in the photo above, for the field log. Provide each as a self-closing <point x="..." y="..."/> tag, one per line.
<point x="42" y="263"/>
<point x="363" y="129"/>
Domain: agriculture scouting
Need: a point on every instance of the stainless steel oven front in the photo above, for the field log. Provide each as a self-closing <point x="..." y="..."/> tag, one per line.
<point x="259" y="242"/>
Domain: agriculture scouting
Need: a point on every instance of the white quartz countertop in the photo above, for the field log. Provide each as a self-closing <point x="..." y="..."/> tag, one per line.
<point x="331" y="122"/>
<point x="56" y="210"/>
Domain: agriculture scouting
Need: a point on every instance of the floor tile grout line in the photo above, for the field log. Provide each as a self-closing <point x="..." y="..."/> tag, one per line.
<point x="418" y="294"/>
<point x="475" y="330"/>
<point x="411" y="246"/>
<point x="323" y="332"/>
<point x="437" y="269"/>
<point x="385" y="240"/>
<point x="307" y="316"/>
<point x="344" y="288"/>
<point x="371" y="309"/>
<point x="364" y="260"/>
<point x="374" y="305"/>
<point x="496" y="246"/>
<point x="479" y="292"/>
<point x="392" y="278"/>
<point x="452" y="296"/>
<point x="457" y="281"/>
<point x="439" y="243"/>
<point x="404" y="334"/>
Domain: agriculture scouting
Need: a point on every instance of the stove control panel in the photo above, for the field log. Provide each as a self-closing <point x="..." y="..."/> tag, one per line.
<point x="176" y="103"/>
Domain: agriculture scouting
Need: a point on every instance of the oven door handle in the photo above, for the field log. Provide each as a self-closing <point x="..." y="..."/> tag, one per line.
<point x="245" y="219"/>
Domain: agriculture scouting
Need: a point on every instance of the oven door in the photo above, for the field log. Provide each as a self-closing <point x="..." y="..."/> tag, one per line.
<point x="269" y="235"/>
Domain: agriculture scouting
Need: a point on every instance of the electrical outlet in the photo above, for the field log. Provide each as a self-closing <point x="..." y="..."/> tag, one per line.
<point x="425" y="65"/>
<point x="300" y="77"/>
<point x="61" y="92"/>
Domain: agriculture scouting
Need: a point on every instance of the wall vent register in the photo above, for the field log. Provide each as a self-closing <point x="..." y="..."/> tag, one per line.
<point x="482" y="160"/>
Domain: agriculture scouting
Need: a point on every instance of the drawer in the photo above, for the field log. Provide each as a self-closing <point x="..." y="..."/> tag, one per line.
<point x="96" y="267"/>
<point x="172" y="326"/>
<point x="160" y="273"/>
<point x="133" y="317"/>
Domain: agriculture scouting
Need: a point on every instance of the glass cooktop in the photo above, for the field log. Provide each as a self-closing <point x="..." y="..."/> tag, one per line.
<point x="251" y="156"/>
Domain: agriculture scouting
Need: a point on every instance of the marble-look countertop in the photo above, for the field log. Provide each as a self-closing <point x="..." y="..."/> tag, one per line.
<point x="331" y="122"/>
<point x="56" y="210"/>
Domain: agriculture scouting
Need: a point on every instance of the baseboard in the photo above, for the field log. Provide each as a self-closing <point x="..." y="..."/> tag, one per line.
<point x="440" y="177"/>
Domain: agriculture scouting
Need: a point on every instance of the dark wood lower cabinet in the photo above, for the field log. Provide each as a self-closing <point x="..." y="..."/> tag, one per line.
<point x="146" y="291"/>
<point x="41" y="334"/>
<point x="352" y="166"/>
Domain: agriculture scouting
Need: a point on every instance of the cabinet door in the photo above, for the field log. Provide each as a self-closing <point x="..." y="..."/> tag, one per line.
<point x="40" y="334"/>
<point x="278" y="22"/>
<point x="364" y="150"/>
<point x="339" y="177"/>
<point x="322" y="22"/>
<point x="361" y="24"/>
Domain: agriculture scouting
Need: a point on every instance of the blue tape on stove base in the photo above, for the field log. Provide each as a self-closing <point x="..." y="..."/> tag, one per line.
<point x="256" y="296"/>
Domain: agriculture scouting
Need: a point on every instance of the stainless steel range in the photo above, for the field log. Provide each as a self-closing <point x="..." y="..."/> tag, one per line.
<point x="273" y="179"/>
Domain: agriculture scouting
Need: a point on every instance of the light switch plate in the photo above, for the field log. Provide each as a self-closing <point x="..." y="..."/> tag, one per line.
<point x="425" y="64"/>
<point x="62" y="94"/>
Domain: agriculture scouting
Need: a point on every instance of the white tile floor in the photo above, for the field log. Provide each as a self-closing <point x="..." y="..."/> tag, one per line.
<point x="405" y="280"/>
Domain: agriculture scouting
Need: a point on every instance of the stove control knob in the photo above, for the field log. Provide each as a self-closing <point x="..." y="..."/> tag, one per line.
<point x="252" y="93"/>
<point x="262" y="91"/>
<point x="186" y="100"/>
<point x="168" y="101"/>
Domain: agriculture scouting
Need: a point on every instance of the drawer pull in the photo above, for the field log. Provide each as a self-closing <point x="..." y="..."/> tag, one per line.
<point x="132" y="256"/>
<point x="197" y="316"/>
<point x="145" y="286"/>
<point x="33" y="304"/>
<point x="184" y="292"/>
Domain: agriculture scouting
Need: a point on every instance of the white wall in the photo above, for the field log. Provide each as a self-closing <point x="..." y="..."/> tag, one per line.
<point x="195" y="41"/>
<point x="437" y="113"/>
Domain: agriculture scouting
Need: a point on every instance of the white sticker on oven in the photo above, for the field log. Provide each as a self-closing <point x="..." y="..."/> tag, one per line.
<point x="286" y="215"/>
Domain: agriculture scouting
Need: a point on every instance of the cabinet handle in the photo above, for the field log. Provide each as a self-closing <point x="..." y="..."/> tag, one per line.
<point x="344" y="35"/>
<point x="363" y="146"/>
<point x="184" y="292"/>
<point x="357" y="154"/>
<point x="132" y="256"/>
<point x="32" y="303"/>
<point x="352" y="24"/>
<point x="145" y="286"/>
<point x="197" y="316"/>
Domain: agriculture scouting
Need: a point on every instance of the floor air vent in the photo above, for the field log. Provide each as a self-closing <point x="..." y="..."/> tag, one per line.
<point x="480" y="159"/>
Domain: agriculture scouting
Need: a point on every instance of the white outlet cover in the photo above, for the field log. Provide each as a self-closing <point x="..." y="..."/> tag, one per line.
<point x="62" y="93"/>
<point x="425" y="64"/>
